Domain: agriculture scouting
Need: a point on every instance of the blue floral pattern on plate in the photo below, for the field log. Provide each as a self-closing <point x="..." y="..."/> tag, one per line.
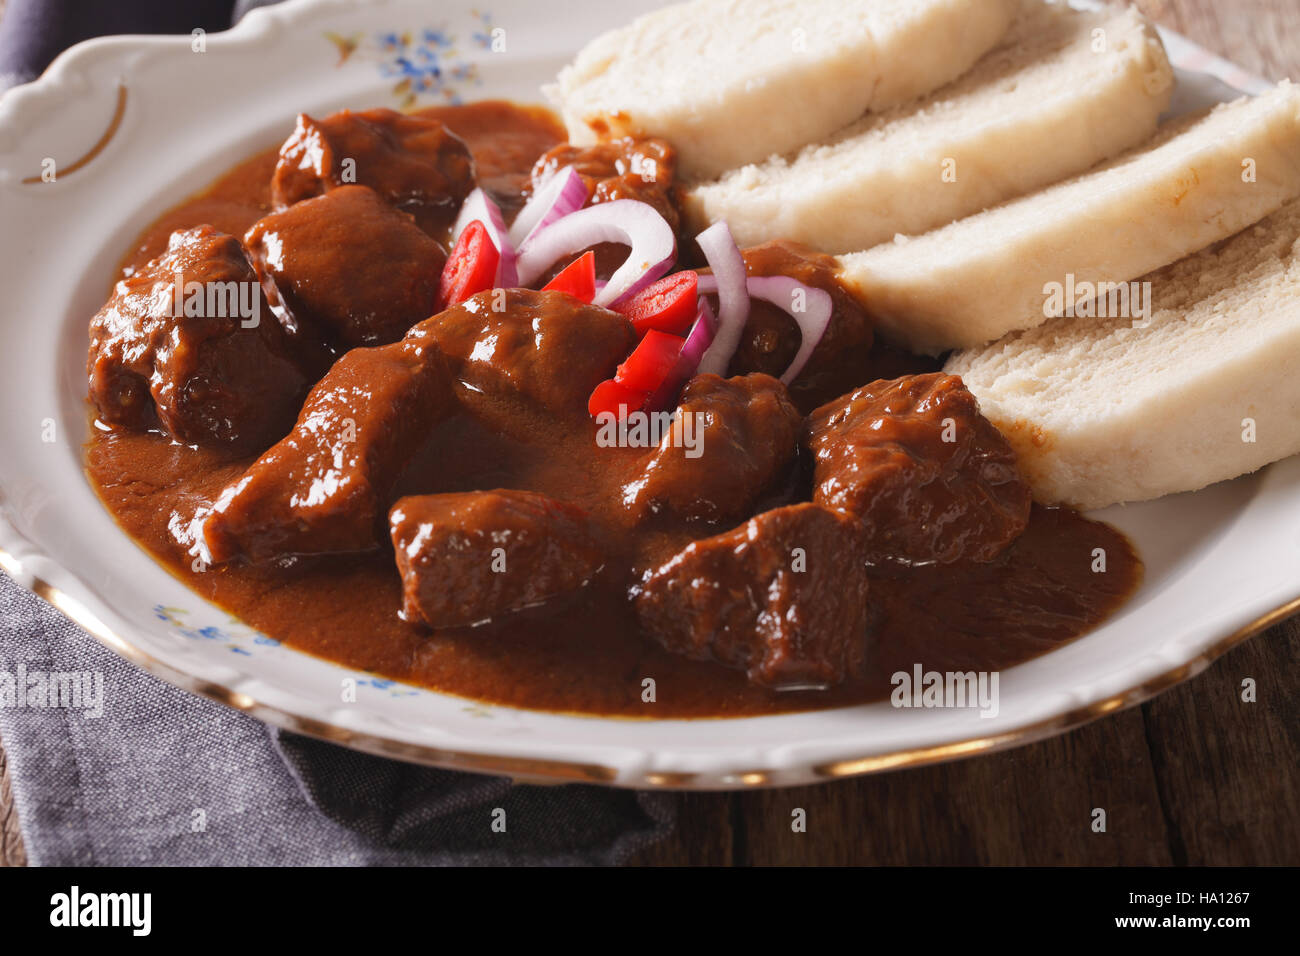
<point x="423" y="63"/>
<point x="237" y="636"/>
<point x="230" y="638"/>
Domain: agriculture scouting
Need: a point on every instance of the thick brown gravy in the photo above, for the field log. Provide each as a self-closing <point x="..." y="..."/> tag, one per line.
<point x="588" y="657"/>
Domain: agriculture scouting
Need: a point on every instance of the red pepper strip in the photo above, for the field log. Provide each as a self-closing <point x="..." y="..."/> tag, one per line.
<point x="649" y="375"/>
<point x="652" y="361"/>
<point x="668" y="305"/>
<point x="578" y="278"/>
<point x="664" y="398"/>
<point x="615" y="399"/>
<point x="471" y="268"/>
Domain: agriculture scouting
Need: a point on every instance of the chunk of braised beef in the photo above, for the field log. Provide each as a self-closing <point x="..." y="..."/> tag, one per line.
<point x="544" y="347"/>
<point x="626" y="168"/>
<point x="348" y="267"/>
<point x="730" y="442"/>
<point x="410" y="161"/>
<point x="929" y="477"/>
<point x="783" y="598"/>
<point x="771" y="337"/>
<point x="326" y="487"/>
<point x="471" y="557"/>
<point x="208" y="362"/>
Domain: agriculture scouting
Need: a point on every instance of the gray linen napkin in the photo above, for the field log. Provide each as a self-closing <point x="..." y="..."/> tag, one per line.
<point x="166" y="778"/>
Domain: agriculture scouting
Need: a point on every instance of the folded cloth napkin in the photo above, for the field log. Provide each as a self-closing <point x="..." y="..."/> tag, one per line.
<point x="164" y="777"/>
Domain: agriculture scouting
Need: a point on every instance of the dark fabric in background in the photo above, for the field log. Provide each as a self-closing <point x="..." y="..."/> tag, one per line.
<point x="168" y="778"/>
<point x="34" y="32"/>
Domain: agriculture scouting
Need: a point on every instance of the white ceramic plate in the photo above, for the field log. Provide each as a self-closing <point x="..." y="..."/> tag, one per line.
<point x="161" y="119"/>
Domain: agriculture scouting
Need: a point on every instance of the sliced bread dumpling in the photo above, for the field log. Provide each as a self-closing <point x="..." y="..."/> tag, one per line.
<point x="1205" y="389"/>
<point x="730" y="82"/>
<point x="1064" y="90"/>
<point x="1012" y="267"/>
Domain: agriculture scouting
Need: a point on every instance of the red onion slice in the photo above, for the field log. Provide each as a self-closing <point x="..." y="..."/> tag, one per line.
<point x="813" y="319"/>
<point x="478" y="206"/>
<point x="733" y="300"/>
<point x="561" y="193"/>
<point x="699" y="338"/>
<point x="808" y="305"/>
<point x="624" y="221"/>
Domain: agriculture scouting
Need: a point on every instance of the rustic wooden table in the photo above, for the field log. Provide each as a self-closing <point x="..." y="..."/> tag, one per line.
<point x="1195" y="776"/>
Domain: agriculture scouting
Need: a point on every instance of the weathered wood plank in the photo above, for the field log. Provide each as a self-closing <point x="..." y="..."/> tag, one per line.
<point x="1030" y="806"/>
<point x="1259" y="35"/>
<point x="11" y="841"/>
<point x="706" y="834"/>
<point x="1226" y="769"/>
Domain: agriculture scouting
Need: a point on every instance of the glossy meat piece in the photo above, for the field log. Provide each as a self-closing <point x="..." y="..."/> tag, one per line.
<point x="772" y="338"/>
<point x="410" y="161"/>
<point x="928" y="476"/>
<point x="731" y="440"/>
<point x="471" y="557"/>
<point x="202" y="377"/>
<point x="628" y="168"/>
<point x="326" y="487"/>
<point x="783" y="597"/>
<point x="545" y="347"/>
<point x="347" y="267"/>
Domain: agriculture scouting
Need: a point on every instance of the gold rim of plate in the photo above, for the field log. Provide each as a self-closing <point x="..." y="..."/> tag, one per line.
<point x="533" y="769"/>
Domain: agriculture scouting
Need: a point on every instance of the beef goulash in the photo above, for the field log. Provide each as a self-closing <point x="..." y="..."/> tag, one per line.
<point x="204" y="379"/>
<point x="479" y="426"/>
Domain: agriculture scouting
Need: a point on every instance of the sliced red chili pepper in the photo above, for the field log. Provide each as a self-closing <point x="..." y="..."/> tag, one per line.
<point x="653" y="360"/>
<point x="578" y="278"/>
<point x="615" y="398"/>
<point x="667" y="306"/>
<point x="471" y="268"/>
